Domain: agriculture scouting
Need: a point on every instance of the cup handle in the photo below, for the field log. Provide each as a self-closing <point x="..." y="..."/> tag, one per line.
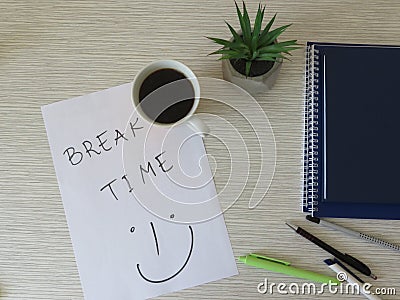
<point x="197" y="125"/>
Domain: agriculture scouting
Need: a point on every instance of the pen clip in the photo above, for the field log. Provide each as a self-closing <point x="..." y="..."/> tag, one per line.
<point x="270" y="259"/>
<point x="347" y="270"/>
<point x="355" y="262"/>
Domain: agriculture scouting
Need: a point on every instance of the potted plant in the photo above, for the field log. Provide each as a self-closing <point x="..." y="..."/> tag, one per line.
<point x="253" y="57"/>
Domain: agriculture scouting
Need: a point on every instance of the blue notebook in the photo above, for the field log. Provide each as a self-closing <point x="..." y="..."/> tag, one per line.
<point x="352" y="131"/>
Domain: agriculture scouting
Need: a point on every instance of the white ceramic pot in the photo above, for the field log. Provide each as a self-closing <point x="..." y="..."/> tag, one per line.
<point x="253" y="85"/>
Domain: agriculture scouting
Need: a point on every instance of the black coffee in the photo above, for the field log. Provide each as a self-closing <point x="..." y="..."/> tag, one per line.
<point x="166" y="96"/>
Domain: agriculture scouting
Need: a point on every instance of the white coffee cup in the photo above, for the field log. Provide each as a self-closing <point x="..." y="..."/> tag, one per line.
<point x="195" y="123"/>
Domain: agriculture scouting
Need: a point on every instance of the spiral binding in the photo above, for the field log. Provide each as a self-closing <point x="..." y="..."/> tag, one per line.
<point x="311" y="137"/>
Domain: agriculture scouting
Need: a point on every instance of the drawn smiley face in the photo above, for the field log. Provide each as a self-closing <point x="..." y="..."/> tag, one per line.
<point x="139" y="269"/>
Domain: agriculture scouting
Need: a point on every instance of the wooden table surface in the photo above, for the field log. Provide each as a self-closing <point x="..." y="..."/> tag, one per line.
<point x="55" y="50"/>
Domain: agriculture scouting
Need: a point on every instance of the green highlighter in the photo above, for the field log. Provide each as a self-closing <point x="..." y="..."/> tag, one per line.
<point x="280" y="266"/>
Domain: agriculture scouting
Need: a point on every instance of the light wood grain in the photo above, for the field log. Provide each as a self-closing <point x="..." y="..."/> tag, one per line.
<point x="54" y="50"/>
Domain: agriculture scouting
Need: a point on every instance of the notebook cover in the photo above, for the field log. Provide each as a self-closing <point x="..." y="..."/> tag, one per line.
<point x="358" y="157"/>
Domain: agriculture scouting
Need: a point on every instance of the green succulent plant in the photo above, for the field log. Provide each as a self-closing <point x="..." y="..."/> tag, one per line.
<point x="254" y="44"/>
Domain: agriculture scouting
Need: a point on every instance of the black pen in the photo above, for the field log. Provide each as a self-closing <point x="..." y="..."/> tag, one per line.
<point x="353" y="233"/>
<point x="348" y="259"/>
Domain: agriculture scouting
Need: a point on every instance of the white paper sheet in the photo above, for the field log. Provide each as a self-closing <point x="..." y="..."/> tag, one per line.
<point x="124" y="251"/>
